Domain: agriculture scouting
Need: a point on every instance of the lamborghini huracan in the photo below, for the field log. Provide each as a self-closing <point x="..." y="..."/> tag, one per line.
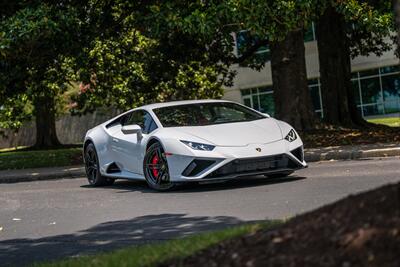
<point x="167" y="144"/>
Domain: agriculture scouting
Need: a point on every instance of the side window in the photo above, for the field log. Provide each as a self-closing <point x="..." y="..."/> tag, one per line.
<point x="143" y="119"/>
<point x="119" y="121"/>
<point x="124" y="119"/>
<point x="136" y="117"/>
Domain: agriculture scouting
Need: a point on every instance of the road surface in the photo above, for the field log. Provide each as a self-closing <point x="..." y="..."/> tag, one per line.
<point x="55" y="219"/>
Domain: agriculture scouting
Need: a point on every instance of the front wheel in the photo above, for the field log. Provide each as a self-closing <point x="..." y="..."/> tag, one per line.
<point x="155" y="168"/>
<point x="93" y="169"/>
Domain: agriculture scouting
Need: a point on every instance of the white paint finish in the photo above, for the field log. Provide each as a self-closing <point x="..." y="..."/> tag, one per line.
<point x="128" y="150"/>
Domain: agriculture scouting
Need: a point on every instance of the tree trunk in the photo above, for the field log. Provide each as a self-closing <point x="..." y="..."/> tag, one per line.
<point x="45" y="115"/>
<point x="396" y="10"/>
<point x="338" y="100"/>
<point x="289" y="77"/>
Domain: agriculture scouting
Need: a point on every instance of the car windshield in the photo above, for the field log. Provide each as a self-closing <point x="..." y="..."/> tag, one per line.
<point x="200" y="114"/>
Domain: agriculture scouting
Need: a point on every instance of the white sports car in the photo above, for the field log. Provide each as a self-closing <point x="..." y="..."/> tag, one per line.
<point x="190" y="141"/>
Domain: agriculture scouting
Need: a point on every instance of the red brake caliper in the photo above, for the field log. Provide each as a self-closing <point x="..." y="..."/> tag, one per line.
<point x="154" y="161"/>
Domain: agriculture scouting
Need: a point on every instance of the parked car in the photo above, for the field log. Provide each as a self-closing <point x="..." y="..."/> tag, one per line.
<point x="190" y="141"/>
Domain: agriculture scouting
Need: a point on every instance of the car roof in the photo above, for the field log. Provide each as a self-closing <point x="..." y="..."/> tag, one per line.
<point x="184" y="102"/>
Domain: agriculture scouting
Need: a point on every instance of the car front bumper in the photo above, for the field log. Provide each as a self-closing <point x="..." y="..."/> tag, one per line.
<point x="231" y="162"/>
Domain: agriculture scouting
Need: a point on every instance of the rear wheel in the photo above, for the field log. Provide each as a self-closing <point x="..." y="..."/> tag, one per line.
<point x="279" y="175"/>
<point x="155" y="168"/>
<point x="93" y="169"/>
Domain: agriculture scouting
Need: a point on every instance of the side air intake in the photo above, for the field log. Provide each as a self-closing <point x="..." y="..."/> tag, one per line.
<point x="113" y="168"/>
<point x="197" y="166"/>
<point x="298" y="153"/>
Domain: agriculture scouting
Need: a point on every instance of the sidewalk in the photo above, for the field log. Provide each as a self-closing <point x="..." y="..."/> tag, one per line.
<point x="311" y="155"/>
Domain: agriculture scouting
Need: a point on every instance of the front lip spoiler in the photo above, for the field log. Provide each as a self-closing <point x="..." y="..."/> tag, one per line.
<point x="239" y="175"/>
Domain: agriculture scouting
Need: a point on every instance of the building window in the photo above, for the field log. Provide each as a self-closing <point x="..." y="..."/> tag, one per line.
<point x="315" y="91"/>
<point x="262" y="98"/>
<point x="309" y="34"/>
<point x="376" y="91"/>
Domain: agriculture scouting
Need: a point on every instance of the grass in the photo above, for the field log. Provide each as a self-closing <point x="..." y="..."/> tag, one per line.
<point x="392" y="121"/>
<point x="22" y="159"/>
<point x="153" y="254"/>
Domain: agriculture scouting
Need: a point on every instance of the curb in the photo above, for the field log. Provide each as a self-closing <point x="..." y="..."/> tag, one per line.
<point x="310" y="155"/>
<point x="314" y="155"/>
<point x="38" y="175"/>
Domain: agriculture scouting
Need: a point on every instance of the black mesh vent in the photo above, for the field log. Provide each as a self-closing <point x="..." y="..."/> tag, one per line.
<point x="298" y="153"/>
<point x="197" y="166"/>
<point x="255" y="165"/>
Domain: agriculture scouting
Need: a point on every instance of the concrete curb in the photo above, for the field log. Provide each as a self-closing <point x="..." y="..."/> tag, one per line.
<point x="351" y="152"/>
<point x="16" y="176"/>
<point x="310" y="155"/>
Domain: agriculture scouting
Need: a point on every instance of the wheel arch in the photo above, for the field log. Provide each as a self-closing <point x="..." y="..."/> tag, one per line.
<point x="153" y="140"/>
<point x="86" y="143"/>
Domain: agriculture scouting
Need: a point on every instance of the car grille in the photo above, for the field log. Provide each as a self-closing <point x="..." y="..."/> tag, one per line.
<point x="254" y="165"/>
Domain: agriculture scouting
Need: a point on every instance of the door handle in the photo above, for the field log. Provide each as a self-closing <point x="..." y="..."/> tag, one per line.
<point x="115" y="140"/>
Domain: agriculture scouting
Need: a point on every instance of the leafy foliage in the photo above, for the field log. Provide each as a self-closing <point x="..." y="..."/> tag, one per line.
<point x="34" y="45"/>
<point x="130" y="69"/>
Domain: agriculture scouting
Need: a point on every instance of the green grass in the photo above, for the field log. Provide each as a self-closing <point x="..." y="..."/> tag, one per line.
<point x="23" y="159"/>
<point x="153" y="254"/>
<point x="392" y="122"/>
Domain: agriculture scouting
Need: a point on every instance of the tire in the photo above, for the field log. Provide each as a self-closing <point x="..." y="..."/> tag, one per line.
<point x="155" y="168"/>
<point x="279" y="175"/>
<point x="92" y="168"/>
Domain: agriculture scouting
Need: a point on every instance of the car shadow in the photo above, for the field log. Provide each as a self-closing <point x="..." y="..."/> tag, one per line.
<point x="125" y="186"/>
<point x="108" y="236"/>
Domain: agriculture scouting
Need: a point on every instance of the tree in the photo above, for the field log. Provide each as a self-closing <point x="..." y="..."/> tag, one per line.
<point x="345" y="30"/>
<point x="147" y="60"/>
<point x="282" y="21"/>
<point x="396" y="11"/>
<point x="36" y="41"/>
<point x="129" y="70"/>
<point x="289" y="77"/>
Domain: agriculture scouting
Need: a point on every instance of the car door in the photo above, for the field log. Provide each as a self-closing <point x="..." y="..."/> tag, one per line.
<point x="129" y="146"/>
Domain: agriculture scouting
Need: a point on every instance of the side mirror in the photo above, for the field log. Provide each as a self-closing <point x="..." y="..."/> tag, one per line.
<point x="131" y="129"/>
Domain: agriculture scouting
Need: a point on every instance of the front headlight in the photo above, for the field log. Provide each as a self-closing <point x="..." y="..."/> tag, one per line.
<point x="198" y="146"/>
<point x="291" y="136"/>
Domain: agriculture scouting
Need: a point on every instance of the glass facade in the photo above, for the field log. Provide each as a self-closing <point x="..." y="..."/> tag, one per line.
<point x="261" y="99"/>
<point x="377" y="92"/>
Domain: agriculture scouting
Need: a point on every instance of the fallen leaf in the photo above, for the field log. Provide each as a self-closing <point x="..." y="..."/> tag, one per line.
<point x="52" y="223"/>
<point x="1" y="228"/>
<point x="16" y="219"/>
<point x="277" y="240"/>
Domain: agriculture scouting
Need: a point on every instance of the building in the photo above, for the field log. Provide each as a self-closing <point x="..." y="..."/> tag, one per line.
<point x="376" y="81"/>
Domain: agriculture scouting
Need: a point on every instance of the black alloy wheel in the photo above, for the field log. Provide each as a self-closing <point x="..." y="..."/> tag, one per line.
<point x="93" y="169"/>
<point x="155" y="168"/>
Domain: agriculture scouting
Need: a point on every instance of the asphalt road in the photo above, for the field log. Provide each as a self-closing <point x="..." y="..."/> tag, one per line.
<point x="54" y="219"/>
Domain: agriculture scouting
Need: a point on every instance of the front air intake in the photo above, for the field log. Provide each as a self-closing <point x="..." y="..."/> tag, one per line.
<point x="298" y="153"/>
<point x="197" y="166"/>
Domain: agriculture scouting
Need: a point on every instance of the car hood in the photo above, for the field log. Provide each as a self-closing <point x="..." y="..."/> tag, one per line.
<point x="237" y="134"/>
